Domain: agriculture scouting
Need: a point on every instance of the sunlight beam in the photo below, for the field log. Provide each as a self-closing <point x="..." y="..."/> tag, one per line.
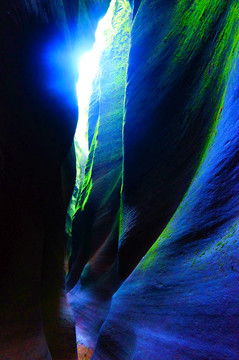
<point x="88" y="68"/>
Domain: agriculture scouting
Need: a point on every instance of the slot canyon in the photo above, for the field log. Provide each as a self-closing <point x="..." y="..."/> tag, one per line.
<point x="119" y="180"/>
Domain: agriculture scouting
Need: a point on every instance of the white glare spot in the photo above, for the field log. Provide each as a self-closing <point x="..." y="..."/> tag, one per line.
<point x="88" y="68"/>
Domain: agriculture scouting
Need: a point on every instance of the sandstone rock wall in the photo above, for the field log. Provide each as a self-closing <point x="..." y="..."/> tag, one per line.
<point x="153" y="272"/>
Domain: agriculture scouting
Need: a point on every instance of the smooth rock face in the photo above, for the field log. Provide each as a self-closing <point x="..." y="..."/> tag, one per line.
<point x="181" y="300"/>
<point x="170" y="91"/>
<point x="93" y="276"/>
<point x="154" y="266"/>
<point x="95" y="229"/>
<point x="180" y="181"/>
<point x="38" y="112"/>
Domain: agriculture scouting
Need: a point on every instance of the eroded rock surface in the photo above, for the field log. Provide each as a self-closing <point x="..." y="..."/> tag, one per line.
<point x="176" y="259"/>
<point x="153" y="272"/>
<point x="38" y="119"/>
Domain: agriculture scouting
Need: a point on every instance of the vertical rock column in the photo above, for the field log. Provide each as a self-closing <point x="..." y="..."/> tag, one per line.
<point x="96" y="224"/>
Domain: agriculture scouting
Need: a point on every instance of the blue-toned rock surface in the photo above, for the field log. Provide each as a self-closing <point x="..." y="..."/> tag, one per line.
<point x="38" y="116"/>
<point x="154" y="270"/>
<point x="181" y="302"/>
<point x="180" y="181"/>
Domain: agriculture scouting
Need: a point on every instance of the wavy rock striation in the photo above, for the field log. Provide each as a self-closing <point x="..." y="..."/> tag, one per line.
<point x="153" y="271"/>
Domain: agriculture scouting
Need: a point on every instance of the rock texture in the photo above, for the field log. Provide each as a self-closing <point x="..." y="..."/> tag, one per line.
<point x="95" y="231"/>
<point x="38" y="108"/>
<point x="153" y="272"/>
<point x="176" y="259"/>
<point x="181" y="300"/>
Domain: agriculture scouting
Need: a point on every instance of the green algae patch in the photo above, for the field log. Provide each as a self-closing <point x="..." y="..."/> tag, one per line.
<point x="218" y="251"/>
<point x="147" y="261"/>
<point x="193" y="23"/>
<point x="224" y="57"/>
<point x="209" y="29"/>
<point x="98" y="185"/>
<point x="87" y="183"/>
<point x="106" y="146"/>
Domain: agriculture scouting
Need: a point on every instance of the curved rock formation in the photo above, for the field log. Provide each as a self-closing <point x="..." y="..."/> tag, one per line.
<point x="180" y="177"/>
<point x="153" y="271"/>
<point x="38" y="119"/>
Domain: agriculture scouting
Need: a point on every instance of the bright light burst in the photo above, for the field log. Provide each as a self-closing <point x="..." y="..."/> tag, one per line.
<point x="88" y="68"/>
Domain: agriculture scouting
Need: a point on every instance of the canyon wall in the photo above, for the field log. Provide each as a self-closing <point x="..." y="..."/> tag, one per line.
<point x="153" y="271"/>
<point x="176" y="263"/>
